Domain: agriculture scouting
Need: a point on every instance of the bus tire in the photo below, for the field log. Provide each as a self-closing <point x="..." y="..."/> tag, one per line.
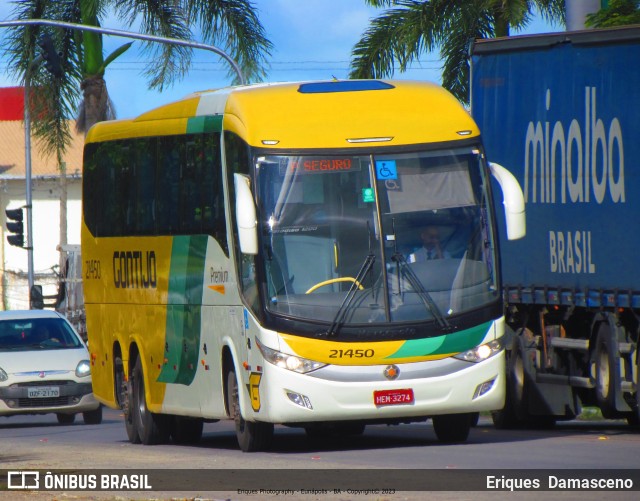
<point x="127" y="410"/>
<point x="252" y="436"/>
<point x="452" y="428"/>
<point x="185" y="431"/>
<point x="152" y="428"/>
<point x="606" y="381"/>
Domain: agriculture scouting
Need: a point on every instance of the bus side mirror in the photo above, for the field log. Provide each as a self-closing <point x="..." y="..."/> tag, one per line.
<point x="245" y="215"/>
<point x="513" y="201"/>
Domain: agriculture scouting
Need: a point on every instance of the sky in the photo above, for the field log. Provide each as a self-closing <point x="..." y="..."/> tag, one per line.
<point x="312" y="39"/>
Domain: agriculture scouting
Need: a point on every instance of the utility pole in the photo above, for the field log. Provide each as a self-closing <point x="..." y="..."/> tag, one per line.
<point x="27" y="171"/>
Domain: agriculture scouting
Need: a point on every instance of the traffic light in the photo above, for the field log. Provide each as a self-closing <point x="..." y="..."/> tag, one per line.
<point x="15" y="227"/>
<point x="36" y="297"/>
<point x="50" y="55"/>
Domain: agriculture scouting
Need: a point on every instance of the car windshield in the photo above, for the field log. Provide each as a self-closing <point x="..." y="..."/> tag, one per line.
<point x="37" y="334"/>
<point x="376" y="238"/>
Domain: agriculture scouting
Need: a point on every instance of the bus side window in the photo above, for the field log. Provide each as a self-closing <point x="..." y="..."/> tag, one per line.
<point x="171" y="152"/>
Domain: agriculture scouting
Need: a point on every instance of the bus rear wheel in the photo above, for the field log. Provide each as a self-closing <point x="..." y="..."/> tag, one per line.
<point x="452" y="428"/>
<point x="252" y="436"/>
<point x="152" y="428"/>
<point x="127" y="410"/>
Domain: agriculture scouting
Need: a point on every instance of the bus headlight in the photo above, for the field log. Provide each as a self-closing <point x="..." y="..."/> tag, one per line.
<point x="3" y="375"/>
<point x="482" y="352"/>
<point x="289" y="362"/>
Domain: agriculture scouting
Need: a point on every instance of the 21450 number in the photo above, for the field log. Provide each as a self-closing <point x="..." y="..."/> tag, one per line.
<point x="369" y="353"/>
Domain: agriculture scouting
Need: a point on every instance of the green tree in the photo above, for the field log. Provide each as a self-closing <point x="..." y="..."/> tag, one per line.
<point x="410" y="28"/>
<point x="80" y="88"/>
<point x="616" y="13"/>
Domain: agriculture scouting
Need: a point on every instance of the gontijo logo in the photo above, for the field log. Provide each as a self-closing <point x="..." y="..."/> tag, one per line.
<point x="134" y="269"/>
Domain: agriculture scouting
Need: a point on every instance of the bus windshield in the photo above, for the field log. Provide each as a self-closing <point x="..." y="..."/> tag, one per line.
<point x="379" y="238"/>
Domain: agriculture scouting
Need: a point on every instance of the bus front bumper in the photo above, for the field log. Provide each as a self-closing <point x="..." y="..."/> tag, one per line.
<point x="336" y="393"/>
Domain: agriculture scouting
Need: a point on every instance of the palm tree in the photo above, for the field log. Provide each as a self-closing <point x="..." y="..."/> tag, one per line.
<point x="616" y="13"/>
<point x="230" y="24"/>
<point x="410" y="28"/>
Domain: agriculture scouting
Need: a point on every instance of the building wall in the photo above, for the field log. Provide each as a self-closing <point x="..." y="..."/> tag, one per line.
<point x="46" y="236"/>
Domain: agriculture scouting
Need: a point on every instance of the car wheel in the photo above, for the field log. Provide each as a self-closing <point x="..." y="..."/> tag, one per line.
<point x="93" y="417"/>
<point x="66" y="418"/>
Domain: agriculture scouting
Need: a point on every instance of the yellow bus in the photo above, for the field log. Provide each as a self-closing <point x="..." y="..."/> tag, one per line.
<point x="260" y="253"/>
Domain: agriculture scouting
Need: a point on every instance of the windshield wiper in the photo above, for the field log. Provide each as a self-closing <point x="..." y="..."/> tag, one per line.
<point x="407" y="272"/>
<point x="338" y="320"/>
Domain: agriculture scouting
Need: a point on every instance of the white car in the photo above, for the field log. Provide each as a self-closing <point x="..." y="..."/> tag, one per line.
<point x="44" y="368"/>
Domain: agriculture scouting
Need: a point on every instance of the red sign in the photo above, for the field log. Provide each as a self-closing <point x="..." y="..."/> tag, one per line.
<point x="393" y="397"/>
<point x="312" y="165"/>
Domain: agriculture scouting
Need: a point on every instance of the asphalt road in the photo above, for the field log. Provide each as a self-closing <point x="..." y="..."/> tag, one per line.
<point x="398" y="458"/>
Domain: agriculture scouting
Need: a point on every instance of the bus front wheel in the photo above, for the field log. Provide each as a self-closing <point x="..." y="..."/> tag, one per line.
<point x="152" y="428"/>
<point x="252" y="436"/>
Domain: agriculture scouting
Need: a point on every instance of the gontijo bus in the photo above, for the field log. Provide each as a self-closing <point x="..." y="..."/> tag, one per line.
<point x="249" y="254"/>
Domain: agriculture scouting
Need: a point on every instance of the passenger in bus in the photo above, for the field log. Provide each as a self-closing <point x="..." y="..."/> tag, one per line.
<point x="431" y="246"/>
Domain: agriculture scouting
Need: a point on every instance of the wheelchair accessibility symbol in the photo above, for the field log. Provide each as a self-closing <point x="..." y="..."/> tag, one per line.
<point x="386" y="169"/>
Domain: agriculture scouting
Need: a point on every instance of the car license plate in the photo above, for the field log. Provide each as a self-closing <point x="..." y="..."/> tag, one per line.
<point x="393" y="397"/>
<point x="43" y="392"/>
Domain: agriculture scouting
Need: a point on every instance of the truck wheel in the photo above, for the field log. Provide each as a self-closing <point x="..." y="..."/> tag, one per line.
<point x="517" y="386"/>
<point x="606" y="381"/>
<point x="152" y="428"/>
<point x="505" y="418"/>
<point x="252" y="436"/>
<point x="452" y="428"/>
<point x="186" y="430"/>
<point x="637" y="410"/>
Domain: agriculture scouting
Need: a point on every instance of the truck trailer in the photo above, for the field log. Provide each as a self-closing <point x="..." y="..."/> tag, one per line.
<point x="561" y="112"/>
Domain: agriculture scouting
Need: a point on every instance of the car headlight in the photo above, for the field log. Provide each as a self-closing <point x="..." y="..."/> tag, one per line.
<point x="289" y="362"/>
<point x="83" y="369"/>
<point x="482" y="352"/>
<point x="3" y="375"/>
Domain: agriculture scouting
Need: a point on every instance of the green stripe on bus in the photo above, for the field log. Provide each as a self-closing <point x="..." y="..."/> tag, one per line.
<point x="182" y="334"/>
<point x="455" y="342"/>
<point x="208" y="123"/>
